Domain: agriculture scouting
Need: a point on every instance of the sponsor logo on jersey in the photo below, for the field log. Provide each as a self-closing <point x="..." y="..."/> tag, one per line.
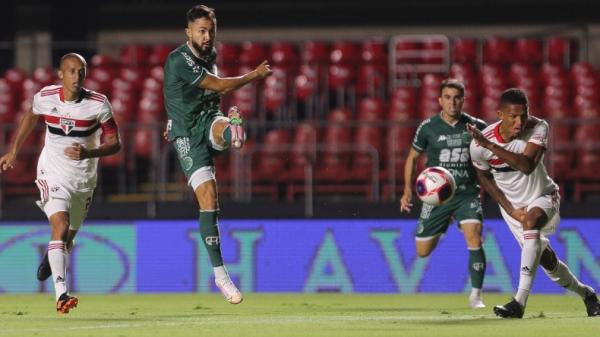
<point x="442" y="138"/>
<point x="190" y="62"/>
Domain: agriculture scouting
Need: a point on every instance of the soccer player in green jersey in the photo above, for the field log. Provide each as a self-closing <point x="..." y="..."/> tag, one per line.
<point x="199" y="130"/>
<point x="445" y="140"/>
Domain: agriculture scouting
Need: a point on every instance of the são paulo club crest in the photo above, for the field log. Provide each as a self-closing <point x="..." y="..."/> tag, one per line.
<point x="67" y="125"/>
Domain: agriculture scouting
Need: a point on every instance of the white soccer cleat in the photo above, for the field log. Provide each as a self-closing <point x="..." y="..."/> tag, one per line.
<point x="229" y="290"/>
<point x="476" y="302"/>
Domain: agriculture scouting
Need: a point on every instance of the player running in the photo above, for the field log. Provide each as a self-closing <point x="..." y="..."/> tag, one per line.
<point x="508" y="156"/>
<point x="445" y="140"/>
<point x="198" y="129"/>
<point x="67" y="167"/>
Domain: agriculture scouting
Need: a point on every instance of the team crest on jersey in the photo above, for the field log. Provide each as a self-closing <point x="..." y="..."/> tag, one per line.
<point x="67" y="125"/>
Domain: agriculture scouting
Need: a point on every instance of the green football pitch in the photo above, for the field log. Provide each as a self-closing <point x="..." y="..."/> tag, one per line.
<point x="312" y="315"/>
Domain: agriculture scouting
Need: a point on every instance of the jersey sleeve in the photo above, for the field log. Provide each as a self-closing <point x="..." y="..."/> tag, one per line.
<point x="106" y="119"/>
<point x="186" y="68"/>
<point x="36" y="106"/>
<point x="477" y="157"/>
<point x="420" y="141"/>
<point x="540" y="134"/>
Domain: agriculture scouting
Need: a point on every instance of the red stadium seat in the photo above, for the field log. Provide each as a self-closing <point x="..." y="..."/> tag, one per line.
<point x="272" y="160"/>
<point x="30" y="88"/>
<point x="159" y="54"/>
<point x="528" y="51"/>
<point x="306" y="83"/>
<point x="497" y="50"/>
<point x="338" y="135"/>
<point x="44" y="76"/>
<point x="284" y="54"/>
<point x="134" y="75"/>
<point x="158" y="73"/>
<point x="102" y="61"/>
<point x="227" y="54"/>
<point x="464" y="51"/>
<point x="433" y="50"/>
<point x="558" y="50"/>
<point x="252" y="53"/>
<point x="134" y="56"/>
<point x="374" y="52"/>
<point x="275" y="90"/>
<point x="344" y="52"/>
<point x="315" y="52"/>
<point x="371" y="80"/>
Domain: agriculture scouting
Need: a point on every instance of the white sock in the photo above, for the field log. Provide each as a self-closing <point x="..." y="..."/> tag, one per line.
<point x="220" y="272"/>
<point x="562" y="276"/>
<point x="475" y="293"/>
<point x="57" y="256"/>
<point x="530" y="259"/>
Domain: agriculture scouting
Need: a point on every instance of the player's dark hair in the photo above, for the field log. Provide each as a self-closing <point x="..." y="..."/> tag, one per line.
<point x="201" y="11"/>
<point x="454" y="84"/>
<point x="514" y="96"/>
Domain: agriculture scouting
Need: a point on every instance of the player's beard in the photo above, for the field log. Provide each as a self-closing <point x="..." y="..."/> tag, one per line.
<point x="202" y="50"/>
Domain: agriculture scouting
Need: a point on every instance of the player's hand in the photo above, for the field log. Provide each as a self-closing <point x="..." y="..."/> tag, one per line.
<point x="405" y="202"/>
<point x="519" y="214"/>
<point x="263" y="70"/>
<point x="478" y="136"/>
<point x="77" y="152"/>
<point x="166" y="135"/>
<point x="7" y="161"/>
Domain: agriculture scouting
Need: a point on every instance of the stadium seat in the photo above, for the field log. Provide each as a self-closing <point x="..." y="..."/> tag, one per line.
<point x="158" y="73"/>
<point x="285" y="55"/>
<point x="272" y="160"/>
<point x="433" y="51"/>
<point x="315" y="52"/>
<point x="15" y="78"/>
<point x="370" y="131"/>
<point x="227" y="54"/>
<point x="252" y="54"/>
<point x="134" y="75"/>
<point x="335" y="160"/>
<point x="528" y="51"/>
<point x="306" y="83"/>
<point x="371" y="80"/>
<point x="102" y="61"/>
<point x="44" y="76"/>
<point x="344" y="53"/>
<point x="497" y="50"/>
<point x="134" y="56"/>
<point x="585" y="176"/>
<point x="374" y="52"/>
<point x="245" y="98"/>
<point x="30" y="88"/>
<point x="275" y="90"/>
<point x="464" y="51"/>
<point x="159" y="54"/>
<point x="558" y="50"/>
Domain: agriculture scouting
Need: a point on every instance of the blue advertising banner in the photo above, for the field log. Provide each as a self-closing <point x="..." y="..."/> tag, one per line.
<point x="285" y="256"/>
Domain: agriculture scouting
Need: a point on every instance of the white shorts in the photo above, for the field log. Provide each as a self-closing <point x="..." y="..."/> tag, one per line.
<point x="550" y="204"/>
<point x="201" y="176"/>
<point x="56" y="197"/>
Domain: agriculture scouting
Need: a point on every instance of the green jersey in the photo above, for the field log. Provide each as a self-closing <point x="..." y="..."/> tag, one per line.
<point x="448" y="146"/>
<point x="190" y="109"/>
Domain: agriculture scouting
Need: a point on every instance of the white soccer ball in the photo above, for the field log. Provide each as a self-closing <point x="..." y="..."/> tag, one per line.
<point x="435" y="186"/>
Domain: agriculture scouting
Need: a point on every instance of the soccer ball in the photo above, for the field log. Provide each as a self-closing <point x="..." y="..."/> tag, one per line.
<point x="435" y="186"/>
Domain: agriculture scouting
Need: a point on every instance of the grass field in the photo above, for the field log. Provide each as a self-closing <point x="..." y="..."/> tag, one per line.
<point x="315" y="315"/>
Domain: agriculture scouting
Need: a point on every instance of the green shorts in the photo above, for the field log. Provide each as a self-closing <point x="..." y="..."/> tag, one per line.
<point x="434" y="220"/>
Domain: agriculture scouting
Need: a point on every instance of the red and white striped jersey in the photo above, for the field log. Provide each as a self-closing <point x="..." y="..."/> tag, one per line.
<point x="71" y="122"/>
<point x="520" y="189"/>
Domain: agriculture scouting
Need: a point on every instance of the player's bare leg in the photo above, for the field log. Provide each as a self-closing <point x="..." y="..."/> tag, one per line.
<point x="57" y="257"/>
<point x="230" y="132"/>
<point x="206" y="194"/>
<point x="472" y="234"/>
<point x="424" y="247"/>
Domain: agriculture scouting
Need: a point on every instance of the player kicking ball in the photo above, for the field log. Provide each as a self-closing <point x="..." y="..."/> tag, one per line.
<point x="508" y="157"/>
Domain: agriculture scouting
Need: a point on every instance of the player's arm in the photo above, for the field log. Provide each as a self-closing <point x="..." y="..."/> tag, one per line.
<point x="223" y="85"/>
<point x="486" y="180"/>
<point x="26" y="125"/>
<point x="409" y="171"/>
<point x="524" y="162"/>
<point x="110" y="145"/>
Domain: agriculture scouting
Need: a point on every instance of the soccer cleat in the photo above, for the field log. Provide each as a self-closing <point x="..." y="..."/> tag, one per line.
<point x="44" y="271"/>
<point x="591" y="305"/>
<point x="511" y="309"/>
<point x="229" y="290"/>
<point x="236" y="125"/>
<point x="476" y="302"/>
<point x="65" y="303"/>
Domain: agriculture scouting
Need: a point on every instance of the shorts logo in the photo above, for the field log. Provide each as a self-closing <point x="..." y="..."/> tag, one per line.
<point x="66" y="125"/>
<point x="182" y="145"/>
<point x="55" y="188"/>
<point x="420" y="228"/>
<point x="187" y="163"/>
<point x="212" y="240"/>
